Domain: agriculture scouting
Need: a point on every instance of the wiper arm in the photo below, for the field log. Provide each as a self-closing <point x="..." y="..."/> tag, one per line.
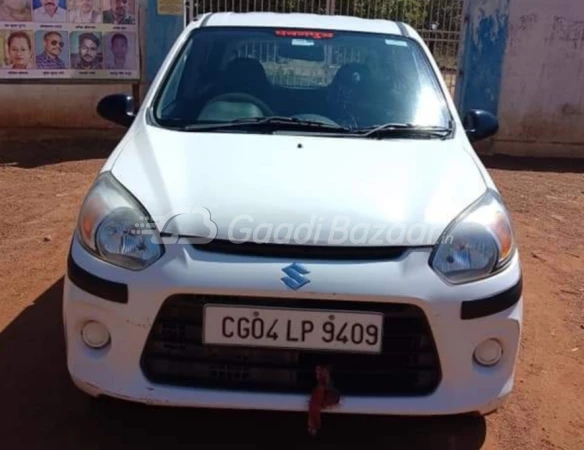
<point x="395" y="128"/>
<point x="271" y="123"/>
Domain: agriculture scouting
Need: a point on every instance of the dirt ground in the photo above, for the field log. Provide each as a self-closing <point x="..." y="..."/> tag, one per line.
<point x="41" y="186"/>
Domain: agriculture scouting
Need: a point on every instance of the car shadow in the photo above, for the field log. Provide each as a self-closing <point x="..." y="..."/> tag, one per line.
<point x="31" y="150"/>
<point x="533" y="164"/>
<point x="41" y="408"/>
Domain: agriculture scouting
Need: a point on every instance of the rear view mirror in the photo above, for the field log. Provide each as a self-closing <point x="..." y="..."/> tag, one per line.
<point x="117" y="108"/>
<point x="480" y="124"/>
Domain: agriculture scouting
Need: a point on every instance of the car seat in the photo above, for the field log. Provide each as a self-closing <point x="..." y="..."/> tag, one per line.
<point x="247" y="76"/>
<point x="241" y="78"/>
<point x="350" y="93"/>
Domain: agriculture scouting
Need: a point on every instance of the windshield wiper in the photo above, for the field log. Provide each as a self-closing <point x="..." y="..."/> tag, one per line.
<point x="400" y="129"/>
<point x="269" y="123"/>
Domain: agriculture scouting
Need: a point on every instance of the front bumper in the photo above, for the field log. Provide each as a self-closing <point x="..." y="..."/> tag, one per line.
<point x="136" y="298"/>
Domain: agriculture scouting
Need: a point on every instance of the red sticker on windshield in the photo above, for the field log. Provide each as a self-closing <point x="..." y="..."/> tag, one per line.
<point x="305" y="34"/>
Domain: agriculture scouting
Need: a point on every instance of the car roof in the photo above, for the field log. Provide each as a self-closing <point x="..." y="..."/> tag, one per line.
<point x="303" y="21"/>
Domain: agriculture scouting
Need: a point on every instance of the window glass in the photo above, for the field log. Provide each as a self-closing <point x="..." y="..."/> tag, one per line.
<point x="346" y="78"/>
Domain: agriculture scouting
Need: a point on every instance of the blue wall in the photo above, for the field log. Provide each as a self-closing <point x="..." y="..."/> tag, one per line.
<point x="161" y="32"/>
<point x="483" y="50"/>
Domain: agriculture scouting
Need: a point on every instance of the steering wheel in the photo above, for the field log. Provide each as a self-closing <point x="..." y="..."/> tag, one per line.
<point x="238" y="97"/>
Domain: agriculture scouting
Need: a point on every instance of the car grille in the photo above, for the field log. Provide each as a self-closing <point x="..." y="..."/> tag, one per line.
<point x="174" y="353"/>
<point x="289" y="251"/>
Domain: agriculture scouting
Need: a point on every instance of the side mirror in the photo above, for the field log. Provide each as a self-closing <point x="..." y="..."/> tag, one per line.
<point x="480" y="124"/>
<point x="117" y="108"/>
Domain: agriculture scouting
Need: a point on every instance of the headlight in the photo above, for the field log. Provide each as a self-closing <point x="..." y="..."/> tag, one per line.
<point x="111" y="226"/>
<point x="477" y="244"/>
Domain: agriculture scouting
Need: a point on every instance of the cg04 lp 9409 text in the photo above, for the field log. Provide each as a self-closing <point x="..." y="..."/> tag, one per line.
<point x="290" y="328"/>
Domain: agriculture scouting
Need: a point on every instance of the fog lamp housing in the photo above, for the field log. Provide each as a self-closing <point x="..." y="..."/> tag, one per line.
<point x="488" y="353"/>
<point x="95" y="335"/>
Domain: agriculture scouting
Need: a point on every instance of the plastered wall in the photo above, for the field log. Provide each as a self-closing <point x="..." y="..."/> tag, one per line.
<point x="541" y="98"/>
<point x="53" y="106"/>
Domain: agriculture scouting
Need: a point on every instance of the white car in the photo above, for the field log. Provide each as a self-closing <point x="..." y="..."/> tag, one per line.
<point x="295" y="192"/>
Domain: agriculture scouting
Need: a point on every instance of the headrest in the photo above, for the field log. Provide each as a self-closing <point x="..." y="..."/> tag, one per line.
<point x="245" y="75"/>
<point x="353" y="75"/>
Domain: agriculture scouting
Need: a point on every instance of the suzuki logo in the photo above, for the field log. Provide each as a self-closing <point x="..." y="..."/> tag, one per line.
<point x="295" y="279"/>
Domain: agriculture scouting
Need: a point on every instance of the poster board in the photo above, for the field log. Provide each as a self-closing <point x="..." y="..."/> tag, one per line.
<point x="69" y="40"/>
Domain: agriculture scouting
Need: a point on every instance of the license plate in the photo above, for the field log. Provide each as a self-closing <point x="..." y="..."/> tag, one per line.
<point x="293" y="328"/>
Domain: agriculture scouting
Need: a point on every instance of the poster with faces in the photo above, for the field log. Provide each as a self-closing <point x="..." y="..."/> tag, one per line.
<point x="69" y="39"/>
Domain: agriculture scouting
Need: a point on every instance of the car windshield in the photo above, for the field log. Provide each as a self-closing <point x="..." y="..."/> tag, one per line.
<point x="318" y="81"/>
